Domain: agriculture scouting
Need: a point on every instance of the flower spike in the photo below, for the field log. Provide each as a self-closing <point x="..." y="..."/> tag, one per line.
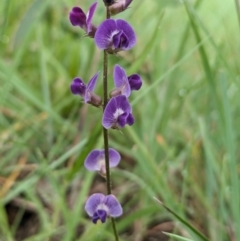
<point x="115" y="35"/>
<point x="99" y="207"/>
<point x="78" y="18"/>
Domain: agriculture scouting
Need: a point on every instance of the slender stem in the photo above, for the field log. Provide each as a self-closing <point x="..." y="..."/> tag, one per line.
<point x="105" y="131"/>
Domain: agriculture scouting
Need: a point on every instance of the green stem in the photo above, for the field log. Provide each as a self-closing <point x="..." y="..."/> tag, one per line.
<point x="105" y="131"/>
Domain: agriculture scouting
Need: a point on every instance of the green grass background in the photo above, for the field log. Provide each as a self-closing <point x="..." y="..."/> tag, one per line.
<point x="183" y="148"/>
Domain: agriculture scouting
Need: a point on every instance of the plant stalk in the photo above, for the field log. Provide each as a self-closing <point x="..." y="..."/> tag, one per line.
<point x="105" y="131"/>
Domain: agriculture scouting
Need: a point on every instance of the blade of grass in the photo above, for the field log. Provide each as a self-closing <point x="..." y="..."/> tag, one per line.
<point x="38" y="174"/>
<point x="29" y="92"/>
<point x="32" y="15"/>
<point x="147" y="89"/>
<point x="220" y="55"/>
<point x="171" y="82"/>
<point x="237" y="4"/>
<point x="140" y="59"/>
<point x="204" y="58"/>
<point x="95" y="135"/>
<point x="5" y="233"/>
<point x="171" y="235"/>
<point x="194" y="230"/>
<point x="78" y="209"/>
<point x="230" y="146"/>
<point x="5" y="14"/>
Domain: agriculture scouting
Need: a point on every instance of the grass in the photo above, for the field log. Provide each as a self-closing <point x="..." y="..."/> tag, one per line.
<point x="182" y="149"/>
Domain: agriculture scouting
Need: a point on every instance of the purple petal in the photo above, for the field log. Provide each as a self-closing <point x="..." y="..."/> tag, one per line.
<point x="130" y="119"/>
<point x="92" y="160"/>
<point x="104" y="33"/>
<point x="116" y="106"/>
<point x="115" y="35"/>
<point x="114" y="207"/>
<point x="135" y="81"/>
<point x="126" y="118"/>
<point x="114" y="157"/>
<point x="93" y="202"/>
<point x="90" y="87"/>
<point x="99" y="214"/>
<point x="78" y="18"/>
<point x="78" y="87"/>
<point x="121" y="81"/>
<point x="116" y="39"/>
<point x="92" y="82"/>
<point x="122" y="119"/>
<point x="89" y="16"/>
<point x="128" y="31"/>
<point x="95" y="161"/>
<point x="108" y="119"/>
<point x="120" y="40"/>
<point x="123" y="103"/>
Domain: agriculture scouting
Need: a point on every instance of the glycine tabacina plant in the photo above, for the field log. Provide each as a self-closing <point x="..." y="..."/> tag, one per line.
<point x="111" y="36"/>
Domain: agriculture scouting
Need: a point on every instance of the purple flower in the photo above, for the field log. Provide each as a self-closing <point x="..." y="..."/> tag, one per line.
<point x="117" y="113"/>
<point x="119" y="6"/>
<point x="79" y="18"/>
<point x="121" y="82"/>
<point x="124" y="85"/>
<point x="95" y="160"/>
<point x="115" y="35"/>
<point x="79" y="88"/>
<point x="99" y="207"/>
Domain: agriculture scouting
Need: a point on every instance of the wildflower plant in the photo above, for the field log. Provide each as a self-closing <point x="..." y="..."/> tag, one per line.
<point x="111" y="36"/>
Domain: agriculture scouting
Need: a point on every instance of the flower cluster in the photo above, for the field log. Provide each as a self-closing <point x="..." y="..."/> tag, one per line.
<point x="112" y="36"/>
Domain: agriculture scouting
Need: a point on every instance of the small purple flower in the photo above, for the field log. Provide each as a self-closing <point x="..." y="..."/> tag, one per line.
<point x="119" y="6"/>
<point x="117" y="113"/>
<point x="121" y="81"/>
<point x="79" y="88"/>
<point x="124" y="85"/>
<point x="95" y="160"/>
<point x="99" y="207"/>
<point x="79" y="18"/>
<point x="115" y="35"/>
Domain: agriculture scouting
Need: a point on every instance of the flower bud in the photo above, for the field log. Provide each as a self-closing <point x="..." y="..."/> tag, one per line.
<point x="115" y="92"/>
<point x="92" y="32"/>
<point x="94" y="99"/>
<point x="119" y="6"/>
<point x="77" y="17"/>
<point x="108" y="2"/>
